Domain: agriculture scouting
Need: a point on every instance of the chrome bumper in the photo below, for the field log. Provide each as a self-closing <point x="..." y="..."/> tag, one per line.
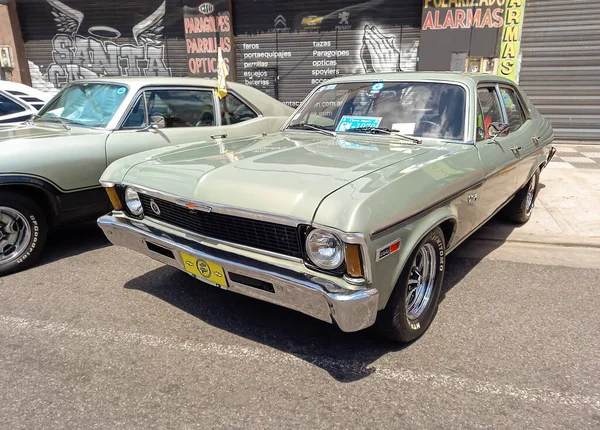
<point x="351" y="311"/>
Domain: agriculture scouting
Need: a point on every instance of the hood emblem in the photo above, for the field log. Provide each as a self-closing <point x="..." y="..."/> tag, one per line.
<point x="154" y="207"/>
<point x="201" y="208"/>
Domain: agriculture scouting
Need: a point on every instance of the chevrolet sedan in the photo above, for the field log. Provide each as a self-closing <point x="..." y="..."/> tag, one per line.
<point x="347" y="214"/>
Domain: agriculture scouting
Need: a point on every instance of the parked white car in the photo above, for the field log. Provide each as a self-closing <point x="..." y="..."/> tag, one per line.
<point x="19" y="102"/>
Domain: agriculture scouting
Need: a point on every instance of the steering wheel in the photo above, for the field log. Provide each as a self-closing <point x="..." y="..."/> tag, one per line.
<point x="434" y="128"/>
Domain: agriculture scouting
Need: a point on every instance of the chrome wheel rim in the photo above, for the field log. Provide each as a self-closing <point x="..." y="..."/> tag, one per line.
<point x="530" y="196"/>
<point x="15" y="234"/>
<point x="421" y="282"/>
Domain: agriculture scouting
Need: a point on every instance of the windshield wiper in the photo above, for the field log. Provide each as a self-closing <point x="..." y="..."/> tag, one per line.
<point x="315" y="127"/>
<point x="384" y="130"/>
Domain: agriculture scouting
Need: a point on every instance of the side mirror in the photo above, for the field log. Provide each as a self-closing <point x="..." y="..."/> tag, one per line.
<point x="157" y="121"/>
<point x="498" y="129"/>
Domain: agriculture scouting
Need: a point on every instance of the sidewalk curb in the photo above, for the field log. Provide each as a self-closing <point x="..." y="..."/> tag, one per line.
<point x="564" y="241"/>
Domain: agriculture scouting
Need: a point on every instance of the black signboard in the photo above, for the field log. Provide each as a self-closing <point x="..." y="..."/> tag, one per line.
<point x="208" y="26"/>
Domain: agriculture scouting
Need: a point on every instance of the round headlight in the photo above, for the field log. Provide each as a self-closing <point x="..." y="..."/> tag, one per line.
<point x="325" y="249"/>
<point x="132" y="200"/>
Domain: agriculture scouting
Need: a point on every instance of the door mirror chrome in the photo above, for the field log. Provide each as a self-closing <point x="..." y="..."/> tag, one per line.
<point x="498" y="129"/>
<point x="157" y="121"/>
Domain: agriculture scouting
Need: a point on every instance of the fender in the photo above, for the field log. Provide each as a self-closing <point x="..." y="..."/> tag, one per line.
<point x="411" y="232"/>
<point x="40" y="187"/>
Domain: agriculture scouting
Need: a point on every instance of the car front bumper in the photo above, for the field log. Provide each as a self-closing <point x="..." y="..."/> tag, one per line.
<point x="303" y="292"/>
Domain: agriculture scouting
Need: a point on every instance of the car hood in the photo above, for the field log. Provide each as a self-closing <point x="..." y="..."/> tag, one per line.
<point x="287" y="174"/>
<point x="35" y="131"/>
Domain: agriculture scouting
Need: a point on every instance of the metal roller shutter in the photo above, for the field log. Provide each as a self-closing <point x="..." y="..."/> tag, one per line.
<point x="73" y="39"/>
<point x="560" y="67"/>
<point x="287" y="48"/>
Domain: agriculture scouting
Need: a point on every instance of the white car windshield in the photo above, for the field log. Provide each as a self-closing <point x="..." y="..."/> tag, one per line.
<point x="88" y="104"/>
<point x="418" y="109"/>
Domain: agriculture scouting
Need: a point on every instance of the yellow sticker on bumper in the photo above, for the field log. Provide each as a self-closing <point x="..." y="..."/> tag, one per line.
<point x="204" y="269"/>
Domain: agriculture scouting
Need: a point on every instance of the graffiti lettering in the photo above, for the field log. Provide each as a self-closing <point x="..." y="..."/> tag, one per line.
<point x="78" y="56"/>
<point x="81" y="57"/>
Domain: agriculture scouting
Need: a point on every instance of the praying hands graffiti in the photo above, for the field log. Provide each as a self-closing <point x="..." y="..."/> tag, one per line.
<point x="378" y="53"/>
<point x="100" y="52"/>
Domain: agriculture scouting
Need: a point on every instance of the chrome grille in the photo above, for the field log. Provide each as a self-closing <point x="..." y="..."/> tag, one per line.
<point x="263" y="235"/>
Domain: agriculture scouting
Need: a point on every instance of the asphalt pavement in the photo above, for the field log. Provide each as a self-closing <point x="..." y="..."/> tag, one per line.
<point x="100" y="337"/>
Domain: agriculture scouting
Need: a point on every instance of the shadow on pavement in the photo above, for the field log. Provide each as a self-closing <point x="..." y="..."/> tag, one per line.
<point x="347" y="357"/>
<point x="72" y="240"/>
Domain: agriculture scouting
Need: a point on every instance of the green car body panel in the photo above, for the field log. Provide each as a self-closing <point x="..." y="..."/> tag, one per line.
<point x="65" y="164"/>
<point x="377" y="189"/>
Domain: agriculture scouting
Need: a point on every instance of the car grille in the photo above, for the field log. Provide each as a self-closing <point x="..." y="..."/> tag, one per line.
<point x="268" y="236"/>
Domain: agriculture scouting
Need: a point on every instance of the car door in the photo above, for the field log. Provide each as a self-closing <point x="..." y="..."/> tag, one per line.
<point x="499" y="156"/>
<point x="187" y="115"/>
<point x="522" y="131"/>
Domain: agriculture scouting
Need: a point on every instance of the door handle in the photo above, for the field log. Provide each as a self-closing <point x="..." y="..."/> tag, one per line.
<point x="536" y="139"/>
<point x="516" y="148"/>
<point x="219" y="136"/>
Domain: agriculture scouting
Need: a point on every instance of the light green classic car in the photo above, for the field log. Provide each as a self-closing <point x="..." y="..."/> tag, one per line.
<point x="348" y="214"/>
<point x="50" y="166"/>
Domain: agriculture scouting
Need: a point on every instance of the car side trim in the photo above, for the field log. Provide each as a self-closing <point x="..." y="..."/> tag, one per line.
<point x="32" y="177"/>
<point x="428" y="209"/>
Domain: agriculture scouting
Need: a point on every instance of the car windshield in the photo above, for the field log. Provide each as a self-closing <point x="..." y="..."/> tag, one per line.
<point x="87" y="104"/>
<point x="418" y="109"/>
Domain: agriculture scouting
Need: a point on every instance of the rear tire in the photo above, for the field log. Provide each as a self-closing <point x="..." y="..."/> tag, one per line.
<point x="23" y="232"/>
<point x="413" y="303"/>
<point x="521" y="206"/>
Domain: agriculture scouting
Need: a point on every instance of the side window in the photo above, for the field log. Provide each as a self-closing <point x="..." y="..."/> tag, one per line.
<point x="137" y="115"/>
<point x="514" y="111"/>
<point x="233" y="110"/>
<point x="182" y="108"/>
<point x="490" y="108"/>
<point x="8" y="107"/>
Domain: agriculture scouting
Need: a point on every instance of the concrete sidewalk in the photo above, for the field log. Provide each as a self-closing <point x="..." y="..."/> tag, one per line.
<point x="567" y="210"/>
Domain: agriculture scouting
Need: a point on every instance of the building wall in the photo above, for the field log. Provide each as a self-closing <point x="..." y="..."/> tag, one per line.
<point x="10" y="35"/>
<point x="73" y="39"/>
<point x="287" y="48"/>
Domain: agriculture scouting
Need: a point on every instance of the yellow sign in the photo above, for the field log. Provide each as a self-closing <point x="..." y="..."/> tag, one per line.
<point x="511" y="39"/>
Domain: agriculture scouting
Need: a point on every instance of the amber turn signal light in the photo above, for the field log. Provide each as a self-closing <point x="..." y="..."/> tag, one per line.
<point x="114" y="198"/>
<point x="353" y="261"/>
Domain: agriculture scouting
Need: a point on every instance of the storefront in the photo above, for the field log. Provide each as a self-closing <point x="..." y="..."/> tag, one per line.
<point x="285" y="48"/>
<point x="560" y="68"/>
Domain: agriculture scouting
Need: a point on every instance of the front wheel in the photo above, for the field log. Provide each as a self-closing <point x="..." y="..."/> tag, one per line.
<point x="413" y="303"/>
<point x="23" y="231"/>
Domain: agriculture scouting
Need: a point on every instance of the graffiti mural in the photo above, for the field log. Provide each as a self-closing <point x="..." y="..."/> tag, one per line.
<point x="101" y="51"/>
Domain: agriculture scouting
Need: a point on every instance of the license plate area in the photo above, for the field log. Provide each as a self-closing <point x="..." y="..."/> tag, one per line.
<point x="204" y="269"/>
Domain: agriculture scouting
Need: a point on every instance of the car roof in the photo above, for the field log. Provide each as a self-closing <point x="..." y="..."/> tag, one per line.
<point x="458" y="77"/>
<point x="26" y="89"/>
<point x="135" y="82"/>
